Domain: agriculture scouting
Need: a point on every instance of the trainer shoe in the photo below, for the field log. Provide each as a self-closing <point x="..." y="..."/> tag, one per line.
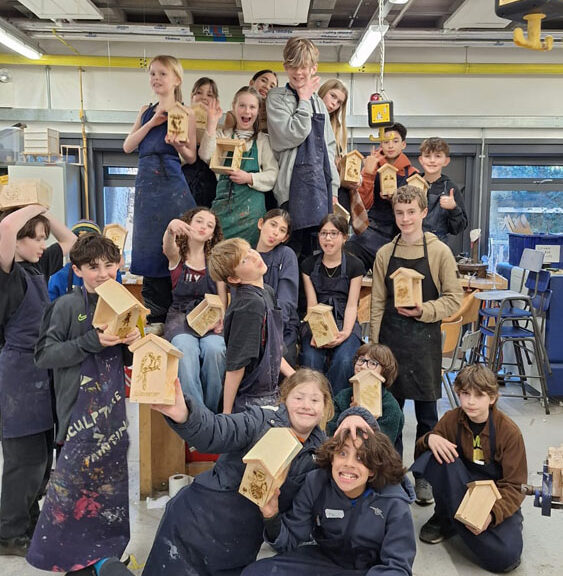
<point x="434" y="531"/>
<point x="17" y="546"/>
<point x="423" y="491"/>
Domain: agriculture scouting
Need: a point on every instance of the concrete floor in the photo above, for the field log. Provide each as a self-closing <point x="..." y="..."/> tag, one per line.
<point x="543" y="550"/>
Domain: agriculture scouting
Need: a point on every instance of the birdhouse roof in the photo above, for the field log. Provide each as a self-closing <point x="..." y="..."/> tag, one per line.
<point x="178" y="107"/>
<point x="387" y="167"/>
<point x="483" y="484"/>
<point x="109" y="227"/>
<point x="418" y="178"/>
<point x="407" y="273"/>
<point x="318" y="309"/>
<point x="366" y="376"/>
<point x="274" y="449"/>
<point x="354" y="153"/>
<point x="163" y="344"/>
<point x="214" y="301"/>
<point x="200" y="113"/>
<point x="118" y="298"/>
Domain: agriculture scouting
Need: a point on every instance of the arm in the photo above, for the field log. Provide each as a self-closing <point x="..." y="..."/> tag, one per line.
<point x="65" y="236"/>
<point x="287" y="292"/>
<point x="445" y="428"/>
<point x="350" y="313"/>
<point x="209" y="139"/>
<point x="285" y="368"/>
<point x="310" y="293"/>
<point x="378" y="294"/>
<point x="175" y="228"/>
<point x="233" y="378"/>
<point x="264" y="180"/>
<point x="288" y="124"/>
<point x="138" y="132"/>
<point x="9" y="228"/>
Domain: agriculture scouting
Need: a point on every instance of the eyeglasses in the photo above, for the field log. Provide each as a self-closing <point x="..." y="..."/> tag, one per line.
<point x="329" y="234"/>
<point x="363" y="361"/>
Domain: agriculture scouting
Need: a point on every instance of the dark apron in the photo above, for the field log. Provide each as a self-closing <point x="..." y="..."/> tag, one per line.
<point x="260" y="387"/>
<point x="161" y="194"/>
<point x="416" y="345"/>
<point x="310" y="191"/>
<point x="238" y="206"/>
<point x="25" y="394"/>
<point x="185" y="297"/>
<point x="86" y="512"/>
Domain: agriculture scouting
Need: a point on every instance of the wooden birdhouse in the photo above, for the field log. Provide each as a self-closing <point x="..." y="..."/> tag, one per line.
<point x="387" y="180"/>
<point x="322" y="324"/>
<point x="41" y="142"/>
<point x="339" y="210"/>
<point x="222" y="148"/>
<point x="418" y="181"/>
<point x="350" y="168"/>
<point x="155" y="368"/>
<point x="206" y="314"/>
<point x="200" y="114"/>
<point x="23" y="192"/>
<point x="367" y="390"/>
<point x="555" y="468"/>
<point x="117" y="234"/>
<point x="117" y="308"/>
<point x="178" y="117"/>
<point x="267" y="464"/>
<point x="407" y="287"/>
<point x="477" y="503"/>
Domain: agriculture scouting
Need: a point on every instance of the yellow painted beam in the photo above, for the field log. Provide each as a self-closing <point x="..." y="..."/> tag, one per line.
<point x="412" y="68"/>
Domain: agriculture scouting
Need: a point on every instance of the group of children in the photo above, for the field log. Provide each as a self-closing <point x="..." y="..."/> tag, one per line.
<point x="348" y="494"/>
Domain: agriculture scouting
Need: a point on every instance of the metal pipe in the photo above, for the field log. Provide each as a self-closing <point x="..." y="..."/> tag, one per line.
<point x="84" y="148"/>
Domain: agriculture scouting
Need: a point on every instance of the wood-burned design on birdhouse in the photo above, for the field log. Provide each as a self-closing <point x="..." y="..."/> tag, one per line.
<point x="206" y="314"/>
<point x="26" y="191"/>
<point x="267" y="464"/>
<point x="117" y="308"/>
<point x="155" y="368"/>
<point x="367" y="390"/>
<point x="387" y="180"/>
<point x="407" y="287"/>
<point x="117" y="234"/>
<point x="227" y="149"/>
<point x="350" y="168"/>
<point x="477" y="503"/>
<point x="322" y="324"/>
<point x="178" y="117"/>
<point x="200" y="114"/>
<point x="418" y="181"/>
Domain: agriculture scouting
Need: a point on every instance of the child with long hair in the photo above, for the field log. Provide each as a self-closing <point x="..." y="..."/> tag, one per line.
<point x="161" y="191"/>
<point x="356" y="507"/>
<point x="187" y="243"/>
<point x="282" y="274"/>
<point x="240" y="199"/>
<point x="333" y="277"/>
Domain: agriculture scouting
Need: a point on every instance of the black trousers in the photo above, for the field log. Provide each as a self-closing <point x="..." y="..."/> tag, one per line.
<point x="426" y="418"/>
<point x="157" y="294"/>
<point x="27" y="466"/>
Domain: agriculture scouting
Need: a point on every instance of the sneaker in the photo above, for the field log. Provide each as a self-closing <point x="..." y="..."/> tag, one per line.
<point x="423" y="491"/>
<point x="434" y="531"/>
<point x="17" y="546"/>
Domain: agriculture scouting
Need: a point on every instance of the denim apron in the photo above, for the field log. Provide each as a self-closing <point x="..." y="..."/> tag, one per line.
<point x="85" y="516"/>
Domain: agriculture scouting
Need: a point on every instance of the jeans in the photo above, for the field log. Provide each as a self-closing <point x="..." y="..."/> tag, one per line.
<point x="341" y="367"/>
<point x="202" y="368"/>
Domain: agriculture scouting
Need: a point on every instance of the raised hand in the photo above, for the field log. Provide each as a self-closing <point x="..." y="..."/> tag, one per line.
<point x="447" y="202"/>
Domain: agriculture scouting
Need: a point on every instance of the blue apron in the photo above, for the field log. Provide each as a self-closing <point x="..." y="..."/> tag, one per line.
<point x="416" y="345"/>
<point x="25" y="393"/>
<point x="310" y="191"/>
<point x="161" y="194"/>
<point x="185" y="297"/>
<point x="85" y="516"/>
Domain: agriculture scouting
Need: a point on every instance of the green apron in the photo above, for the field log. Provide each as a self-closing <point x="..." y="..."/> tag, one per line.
<point x="239" y="206"/>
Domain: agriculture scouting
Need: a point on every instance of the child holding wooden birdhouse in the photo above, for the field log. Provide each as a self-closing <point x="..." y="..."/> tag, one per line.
<point x="412" y="332"/>
<point x="25" y="393"/>
<point x="161" y="191"/>
<point x="333" y="278"/>
<point x="212" y="528"/>
<point x="356" y="508"/>
<point x="87" y="366"/>
<point x="253" y="327"/>
<point x="380" y="359"/>
<point x="476" y="442"/>
<point x="187" y="243"/>
<point x="244" y="175"/>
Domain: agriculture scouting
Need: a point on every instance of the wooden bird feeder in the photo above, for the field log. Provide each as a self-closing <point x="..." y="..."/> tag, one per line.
<point x="18" y="193"/>
<point x="222" y="147"/>
<point x="178" y="117"/>
<point x="117" y="234"/>
<point x="407" y="287"/>
<point x="322" y="324"/>
<point x="477" y="503"/>
<point x="267" y="464"/>
<point x="418" y="181"/>
<point x="206" y="314"/>
<point x="200" y="114"/>
<point x="155" y="368"/>
<point x="367" y="390"/>
<point x="387" y="180"/>
<point x="117" y="308"/>
<point x="350" y="168"/>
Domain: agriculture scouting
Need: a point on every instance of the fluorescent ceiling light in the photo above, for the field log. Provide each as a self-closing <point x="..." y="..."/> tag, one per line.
<point x="371" y="38"/>
<point x="18" y="46"/>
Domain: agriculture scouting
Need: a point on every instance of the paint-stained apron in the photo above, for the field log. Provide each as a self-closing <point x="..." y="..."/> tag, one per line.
<point x="85" y="516"/>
